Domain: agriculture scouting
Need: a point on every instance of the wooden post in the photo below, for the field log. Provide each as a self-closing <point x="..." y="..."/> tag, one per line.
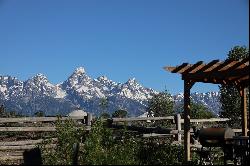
<point x="89" y="119"/>
<point x="178" y="126"/>
<point x="244" y="112"/>
<point x="75" y="153"/>
<point x="187" y="86"/>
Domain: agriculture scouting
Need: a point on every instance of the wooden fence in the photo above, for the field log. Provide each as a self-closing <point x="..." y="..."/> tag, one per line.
<point x="14" y="149"/>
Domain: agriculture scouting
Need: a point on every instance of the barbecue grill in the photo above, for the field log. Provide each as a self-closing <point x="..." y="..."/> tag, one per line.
<point x="216" y="137"/>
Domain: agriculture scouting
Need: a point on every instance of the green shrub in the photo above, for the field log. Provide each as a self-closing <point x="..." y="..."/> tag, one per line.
<point x="67" y="134"/>
<point x="102" y="147"/>
<point x="160" y="154"/>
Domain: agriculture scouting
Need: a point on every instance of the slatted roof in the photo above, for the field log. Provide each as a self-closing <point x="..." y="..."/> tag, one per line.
<point x="216" y="72"/>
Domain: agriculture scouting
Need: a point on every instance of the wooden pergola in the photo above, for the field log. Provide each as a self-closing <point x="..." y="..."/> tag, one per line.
<point x="229" y="72"/>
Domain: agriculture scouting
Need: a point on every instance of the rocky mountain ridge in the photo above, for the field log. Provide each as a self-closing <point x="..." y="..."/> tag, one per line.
<point x="81" y="91"/>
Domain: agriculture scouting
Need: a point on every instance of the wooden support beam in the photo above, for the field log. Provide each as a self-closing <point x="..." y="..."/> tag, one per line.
<point x="244" y="83"/>
<point x="212" y="81"/>
<point x="223" y="75"/>
<point x="244" y="111"/>
<point x="241" y="85"/>
<point x="187" y="86"/>
<point x="239" y="79"/>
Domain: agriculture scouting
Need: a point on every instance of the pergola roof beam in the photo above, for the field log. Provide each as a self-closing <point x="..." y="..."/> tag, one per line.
<point x="239" y="78"/>
<point x="223" y="65"/>
<point x="195" y="67"/>
<point x="177" y="69"/>
<point x="212" y="63"/>
<point x="238" y="65"/>
<point x="242" y="64"/>
<point x="217" y="74"/>
<point x="212" y="67"/>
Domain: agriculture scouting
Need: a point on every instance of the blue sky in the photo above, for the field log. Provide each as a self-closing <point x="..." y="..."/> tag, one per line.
<point x="118" y="38"/>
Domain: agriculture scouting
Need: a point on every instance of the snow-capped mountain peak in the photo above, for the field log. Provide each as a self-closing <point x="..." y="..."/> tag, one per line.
<point x="39" y="80"/>
<point x="131" y="81"/>
<point x="102" y="78"/>
<point x="77" y="79"/>
<point x="40" y="75"/>
<point x="38" y="85"/>
<point x="79" y="71"/>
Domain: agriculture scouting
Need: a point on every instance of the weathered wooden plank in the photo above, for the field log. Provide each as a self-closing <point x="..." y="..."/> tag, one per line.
<point x="156" y="135"/>
<point x="145" y="130"/>
<point x="11" y="158"/>
<point x="24" y="147"/>
<point x="11" y="153"/>
<point x="37" y="119"/>
<point x="49" y="119"/>
<point x="207" y="120"/>
<point x="27" y="129"/>
<point x="141" y="119"/>
<point x="35" y="129"/>
<point x="26" y="142"/>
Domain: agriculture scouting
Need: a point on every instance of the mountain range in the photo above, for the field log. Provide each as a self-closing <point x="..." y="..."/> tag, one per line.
<point x="81" y="91"/>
